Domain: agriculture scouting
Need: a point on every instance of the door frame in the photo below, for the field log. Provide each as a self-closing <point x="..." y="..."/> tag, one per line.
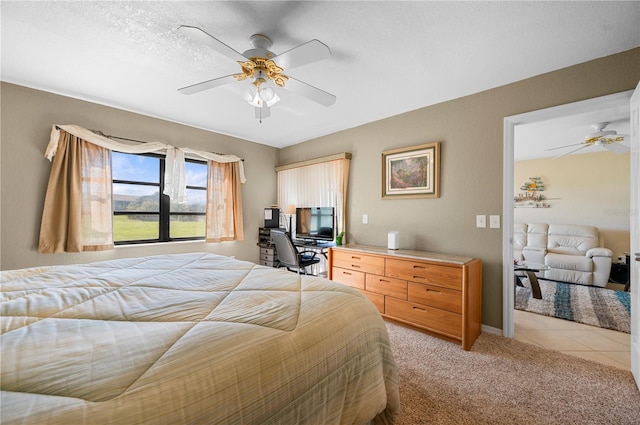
<point x="634" y="267"/>
<point x="510" y="123"/>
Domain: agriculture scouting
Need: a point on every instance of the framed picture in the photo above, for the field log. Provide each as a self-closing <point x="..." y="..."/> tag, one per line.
<point x="411" y="172"/>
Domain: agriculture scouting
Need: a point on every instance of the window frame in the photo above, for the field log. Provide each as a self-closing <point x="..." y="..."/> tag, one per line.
<point x="164" y="208"/>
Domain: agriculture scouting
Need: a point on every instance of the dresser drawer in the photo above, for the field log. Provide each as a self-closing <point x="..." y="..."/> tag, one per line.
<point x="267" y="257"/>
<point x="435" y="319"/>
<point x="436" y="296"/>
<point x="267" y="251"/>
<point x="386" y="286"/>
<point x="376" y="299"/>
<point x="446" y="276"/>
<point x="361" y="262"/>
<point x="348" y="277"/>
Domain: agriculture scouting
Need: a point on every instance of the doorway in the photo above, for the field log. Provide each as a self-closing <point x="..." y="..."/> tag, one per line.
<point x="618" y="100"/>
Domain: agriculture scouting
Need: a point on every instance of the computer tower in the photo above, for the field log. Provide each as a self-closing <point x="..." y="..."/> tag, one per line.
<point x="271" y="217"/>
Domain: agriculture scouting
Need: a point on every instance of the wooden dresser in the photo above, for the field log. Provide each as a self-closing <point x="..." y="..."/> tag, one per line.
<point x="438" y="293"/>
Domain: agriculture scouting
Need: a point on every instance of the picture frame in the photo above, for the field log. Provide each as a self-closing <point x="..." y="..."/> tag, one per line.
<point x="411" y="172"/>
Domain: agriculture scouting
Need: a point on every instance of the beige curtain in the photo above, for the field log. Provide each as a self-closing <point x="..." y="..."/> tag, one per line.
<point x="77" y="212"/>
<point x="321" y="183"/>
<point x="224" y="202"/>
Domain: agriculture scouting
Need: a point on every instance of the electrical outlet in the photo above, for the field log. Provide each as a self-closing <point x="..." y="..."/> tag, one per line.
<point x="481" y="221"/>
<point x="494" y="221"/>
<point x="365" y="219"/>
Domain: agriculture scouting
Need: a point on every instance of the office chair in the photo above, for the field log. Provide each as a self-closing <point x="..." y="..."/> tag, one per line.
<point x="289" y="256"/>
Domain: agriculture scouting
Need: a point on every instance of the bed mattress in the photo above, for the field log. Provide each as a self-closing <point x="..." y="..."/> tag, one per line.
<point x="192" y="338"/>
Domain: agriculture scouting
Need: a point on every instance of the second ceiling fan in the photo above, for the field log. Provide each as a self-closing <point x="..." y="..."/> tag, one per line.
<point x="264" y="70"/>
<point x="609" y="139"/>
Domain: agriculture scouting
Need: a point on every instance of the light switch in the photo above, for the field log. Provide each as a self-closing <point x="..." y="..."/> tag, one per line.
<point x="365" y="219"/>
<point x="481" y="221"/>
<point x="494" y="221"/>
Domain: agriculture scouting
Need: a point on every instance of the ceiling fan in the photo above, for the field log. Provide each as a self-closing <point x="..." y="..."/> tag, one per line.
<point x="263" y="70"/>
<point x="609" y="139"/>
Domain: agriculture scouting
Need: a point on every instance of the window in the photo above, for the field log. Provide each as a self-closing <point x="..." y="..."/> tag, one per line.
<point x="79" y="210"/>
<point x="142" y="213"/>
<point x="319" y="182"/>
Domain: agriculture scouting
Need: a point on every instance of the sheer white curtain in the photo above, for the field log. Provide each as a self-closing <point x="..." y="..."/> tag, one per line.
<point x="322" y="183"/>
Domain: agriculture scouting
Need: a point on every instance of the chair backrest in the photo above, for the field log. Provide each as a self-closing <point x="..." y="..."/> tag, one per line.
<point x="572" y="239"/>
<point x="519" y="240"/>
<point x="286" y="251"/>
<point x="537" y="235"/>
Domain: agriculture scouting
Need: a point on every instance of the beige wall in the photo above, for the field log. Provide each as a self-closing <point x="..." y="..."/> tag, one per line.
<point x="27" y="117"/>
<point x="470" y="129"/>
<point x="471" y="132"/>
<point x="588" y="189"/>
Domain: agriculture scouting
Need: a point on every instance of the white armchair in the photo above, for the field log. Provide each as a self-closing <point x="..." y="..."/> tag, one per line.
<point x="574" y="253"/>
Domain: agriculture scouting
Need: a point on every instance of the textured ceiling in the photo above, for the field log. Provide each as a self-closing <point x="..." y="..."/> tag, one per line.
<point x="387" y="57"/>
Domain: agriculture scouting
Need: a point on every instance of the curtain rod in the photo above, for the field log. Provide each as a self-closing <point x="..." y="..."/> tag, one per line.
<point x="342" y="155"/>
<point x="109" y="136"/>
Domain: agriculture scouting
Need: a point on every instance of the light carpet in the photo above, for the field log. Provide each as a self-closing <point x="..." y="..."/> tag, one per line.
<point x="591" y="305"/>
<point x="504" y="381"/>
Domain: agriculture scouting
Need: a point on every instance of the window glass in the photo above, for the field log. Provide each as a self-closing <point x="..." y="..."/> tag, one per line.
<point x="196" y="174"/>
<point x="196" y="202"/>
<point x="138" y="168"/>
<point x="142" y="213"/>
<point x="136" y="227"/>
<point x="134" y="197"/>
<point x="187" y="226"/>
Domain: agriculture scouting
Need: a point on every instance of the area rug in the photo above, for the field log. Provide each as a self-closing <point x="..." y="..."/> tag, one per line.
<point x="591" y="305"/>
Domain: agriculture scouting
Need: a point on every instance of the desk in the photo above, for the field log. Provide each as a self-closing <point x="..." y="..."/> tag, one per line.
<point x="320" y="248"/>
<point x="319" y="269"/>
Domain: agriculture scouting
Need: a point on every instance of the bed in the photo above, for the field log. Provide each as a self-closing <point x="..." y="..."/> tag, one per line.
<point x="193" y="338"/>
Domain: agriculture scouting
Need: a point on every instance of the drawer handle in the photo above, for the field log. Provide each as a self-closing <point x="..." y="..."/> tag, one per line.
<point x="433" y="290"/>
<point x="355" y="266"/>
<point x="419" y="277"/>
<point x="416" y="266"/>
<point x="419" y="309"/>
<point x="385" y="281"/>
<point x="353" y="257"/>
<point x="347" y="273"/>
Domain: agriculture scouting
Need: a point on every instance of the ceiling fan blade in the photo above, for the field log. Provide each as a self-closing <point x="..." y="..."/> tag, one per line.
<point x="313" y="93"/>
<point x="570" y="152"/>
<point x="617" y="148"/>
<point x="205" y="38"/>
<point x="206" y="85"/>
<point x="565" y="146"/>
<point x="303" y="54"/>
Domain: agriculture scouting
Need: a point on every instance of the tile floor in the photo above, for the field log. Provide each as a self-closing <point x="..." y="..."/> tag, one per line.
<point x="601" y="345"/>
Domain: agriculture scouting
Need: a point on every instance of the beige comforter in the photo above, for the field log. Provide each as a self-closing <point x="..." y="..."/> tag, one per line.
<point x="190" y="339"/>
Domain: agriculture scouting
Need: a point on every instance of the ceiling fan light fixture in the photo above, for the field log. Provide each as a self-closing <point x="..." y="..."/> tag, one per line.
<point x="260" y="93"/>
<point x="267" y="94"/>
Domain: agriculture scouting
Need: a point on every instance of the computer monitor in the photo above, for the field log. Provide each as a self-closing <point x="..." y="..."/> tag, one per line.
<point x="315" y="223"/>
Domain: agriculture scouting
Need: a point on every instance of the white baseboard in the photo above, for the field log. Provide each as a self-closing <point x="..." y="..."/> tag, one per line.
<point x="491" y="330"/>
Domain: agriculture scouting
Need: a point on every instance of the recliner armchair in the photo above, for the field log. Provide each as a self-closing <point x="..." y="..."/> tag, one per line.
<point x="289" y="256"/>
<point x="574" y="253"/>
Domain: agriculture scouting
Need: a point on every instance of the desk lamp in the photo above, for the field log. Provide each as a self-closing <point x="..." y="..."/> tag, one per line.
<point x="291" y="210"/>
